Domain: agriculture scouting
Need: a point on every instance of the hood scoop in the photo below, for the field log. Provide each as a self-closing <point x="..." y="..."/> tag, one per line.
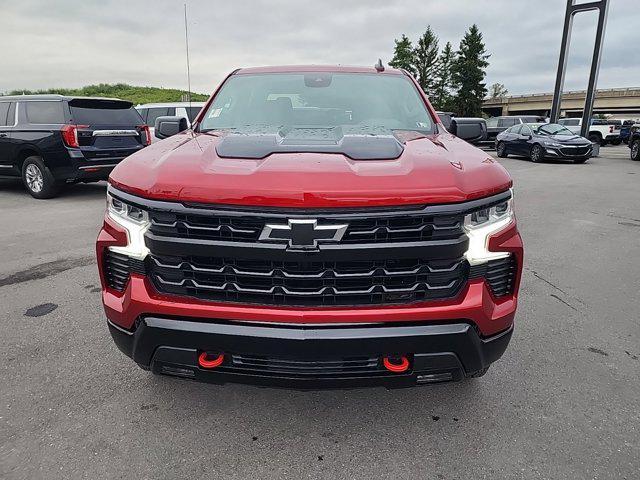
<point x="358" y="143"/>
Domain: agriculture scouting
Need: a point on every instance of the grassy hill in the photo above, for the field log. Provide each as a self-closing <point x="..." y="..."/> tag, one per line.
<point x="123" y="91"/>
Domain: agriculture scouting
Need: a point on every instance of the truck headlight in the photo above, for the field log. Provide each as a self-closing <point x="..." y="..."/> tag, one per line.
<point x="481" y="224"/>
<point x="135" y="221"/>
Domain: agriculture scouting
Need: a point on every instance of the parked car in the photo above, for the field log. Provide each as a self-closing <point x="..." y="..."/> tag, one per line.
<point x="625" y="129"/>
<point x="538" y="141"/>
<point x="473" y="130"/>
<point x="599" y="132"/>
<point x="634" y="142"/>
<point x="496" y="125"/>
<point x="617" y="126"/>
<point x="54" y="140"/>
<point x="150" y="111"/>
<point x="311" y="230"/>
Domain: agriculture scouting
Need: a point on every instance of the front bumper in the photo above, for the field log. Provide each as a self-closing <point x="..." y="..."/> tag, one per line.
<point x="436" y="352"/>
<point x="557" y="152"/>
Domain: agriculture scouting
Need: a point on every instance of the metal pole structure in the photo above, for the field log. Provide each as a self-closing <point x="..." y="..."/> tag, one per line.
<point x="572" y="9"/>
<point x="595" y="67"/>
<point x="562" y="64"/>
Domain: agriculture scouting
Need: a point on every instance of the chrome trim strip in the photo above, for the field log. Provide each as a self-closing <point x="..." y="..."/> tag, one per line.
<point x="86" y="167"/>
<point x="115" y="133"/>
<point x="120" y="329"/>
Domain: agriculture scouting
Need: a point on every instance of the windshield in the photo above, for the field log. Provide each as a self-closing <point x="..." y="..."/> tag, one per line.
<point x="367" y="102"/>
<point x="552" y="129"/>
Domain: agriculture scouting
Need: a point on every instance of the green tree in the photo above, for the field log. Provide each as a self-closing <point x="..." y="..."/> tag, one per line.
<point x="137" y="95"/>
<point x="468" y="72"/>
<point x="426" y="60"/>
<point x="403" y="55"/>
<point x="442" y="95"/>
<point x="497" y="90"/>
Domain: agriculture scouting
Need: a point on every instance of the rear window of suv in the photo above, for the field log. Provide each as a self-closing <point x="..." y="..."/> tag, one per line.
<point x="365" y="102"/>
<point x="45" y="112"/>
<point x="104" y="112"/>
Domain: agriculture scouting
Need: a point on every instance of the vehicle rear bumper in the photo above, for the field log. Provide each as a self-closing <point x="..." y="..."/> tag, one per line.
<point x="436" y="352"/>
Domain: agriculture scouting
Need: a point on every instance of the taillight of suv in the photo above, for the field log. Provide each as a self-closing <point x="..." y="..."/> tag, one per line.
<point x="70" y="135"/>
<point x="145" y="134"/>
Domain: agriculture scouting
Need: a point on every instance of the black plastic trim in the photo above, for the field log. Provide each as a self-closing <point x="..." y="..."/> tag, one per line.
<point x="171" y="346"/>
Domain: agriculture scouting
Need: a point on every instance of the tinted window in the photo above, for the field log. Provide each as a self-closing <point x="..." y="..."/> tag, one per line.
<point x="572" y="122"/>
<point x="507" y="122"/>
<point x="525" y="130"/>
<point x="11" y="116"/>
<point x="44" y="112"/>
<point x="143" y="113"/>
<point x="192" y="112"/>
<point x="104" y="112"/>
<point x="155" y="113"/>
<point x="4" y="110"/>
<point x="492" y="122"/>
<point x="366" y="102"/>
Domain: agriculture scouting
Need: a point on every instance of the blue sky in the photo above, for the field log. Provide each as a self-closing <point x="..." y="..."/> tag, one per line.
<point x="71" y="43"/>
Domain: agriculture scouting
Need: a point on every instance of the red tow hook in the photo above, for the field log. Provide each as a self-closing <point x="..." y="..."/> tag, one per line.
<point x="396" y="364"/>
<point x="210" y="360"/>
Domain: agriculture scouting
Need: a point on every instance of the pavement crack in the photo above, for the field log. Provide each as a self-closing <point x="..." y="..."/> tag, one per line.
<point x="45" y="270"/>
<point x="538" y="276"/>
<point x="563" y="301"/>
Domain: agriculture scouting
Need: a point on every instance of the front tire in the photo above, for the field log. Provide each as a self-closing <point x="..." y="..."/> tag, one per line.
<point x="38" y="179"/>
<point x="501" y="150"/>
<point x="595" y="138"/>
<point x="537" y="154"/>
<point x="635" y="150"/>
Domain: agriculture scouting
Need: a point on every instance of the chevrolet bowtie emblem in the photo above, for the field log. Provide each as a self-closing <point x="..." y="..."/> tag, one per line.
<point x="303" y="234"/>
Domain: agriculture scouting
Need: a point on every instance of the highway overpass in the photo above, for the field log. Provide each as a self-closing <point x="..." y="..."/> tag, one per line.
<point x="618" y="101"/>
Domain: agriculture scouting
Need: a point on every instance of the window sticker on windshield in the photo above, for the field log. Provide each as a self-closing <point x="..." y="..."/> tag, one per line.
<point x="422" y="125"/>
<point x="215" y="113"/>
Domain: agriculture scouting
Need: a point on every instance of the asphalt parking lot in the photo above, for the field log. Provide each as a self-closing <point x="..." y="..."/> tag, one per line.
<point x="562" y="403"/>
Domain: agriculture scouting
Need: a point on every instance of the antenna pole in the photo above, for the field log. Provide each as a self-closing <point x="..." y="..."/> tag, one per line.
<point x="186" y="41"/>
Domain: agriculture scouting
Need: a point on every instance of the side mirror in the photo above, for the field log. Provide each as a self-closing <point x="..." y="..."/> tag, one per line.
<point x="167" y="126"/>
<point x="473" y="130"/>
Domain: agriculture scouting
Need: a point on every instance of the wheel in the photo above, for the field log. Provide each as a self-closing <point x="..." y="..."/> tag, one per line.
<point x="635" y="150"/>
<point x="537" y="153"/>
<point x="37" y="178"/>
<point x="617" y="141"/>
<point x="479" y="373"/>
<point x="501" y="150"/>
<point x="595" y="138"/>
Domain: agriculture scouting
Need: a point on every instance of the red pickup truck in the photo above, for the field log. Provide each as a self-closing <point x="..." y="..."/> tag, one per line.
<point x="316" y="227"/>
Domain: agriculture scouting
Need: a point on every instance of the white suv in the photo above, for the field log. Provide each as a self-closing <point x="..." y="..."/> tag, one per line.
<point x="151" y="111"/>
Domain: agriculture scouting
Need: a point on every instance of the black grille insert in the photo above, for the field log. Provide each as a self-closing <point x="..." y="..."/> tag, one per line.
<point x="331" y="368"/>
<point x="309" y="283"/>
<point x="500" y="275"/>
<point x="399" y="226"/>
<point x="118" y="267"/>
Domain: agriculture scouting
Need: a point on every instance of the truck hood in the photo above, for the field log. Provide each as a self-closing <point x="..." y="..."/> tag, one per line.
<point x="429" y="169"/>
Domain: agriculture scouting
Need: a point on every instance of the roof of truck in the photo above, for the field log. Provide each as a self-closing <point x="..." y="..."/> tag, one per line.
<point x="316" y="68"/>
